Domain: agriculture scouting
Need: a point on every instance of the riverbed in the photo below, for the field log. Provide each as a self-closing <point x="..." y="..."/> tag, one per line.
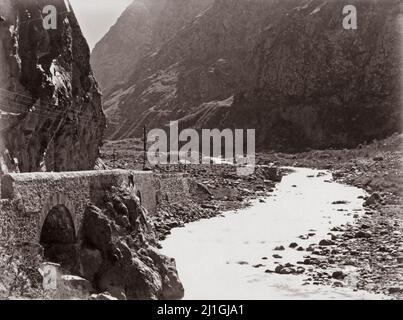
<point x="231" y="256"/>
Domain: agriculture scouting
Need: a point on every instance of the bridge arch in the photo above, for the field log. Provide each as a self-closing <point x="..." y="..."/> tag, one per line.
<point x="58" y="237"/>
<point x="58" y="205"/>
<point x="58" y="227"/>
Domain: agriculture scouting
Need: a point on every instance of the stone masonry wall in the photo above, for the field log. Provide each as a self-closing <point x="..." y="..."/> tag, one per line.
<point x="173" y="188"/>
<point x="28" y="198"/>
<point x="37" y="193"/>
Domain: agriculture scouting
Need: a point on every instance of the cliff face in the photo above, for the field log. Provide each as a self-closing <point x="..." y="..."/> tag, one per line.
<point x="202" y="62"/>
<point x="286" y="68"/>
<point x="51" y="112"/>
<point x="315" y="84"/>
<point x="51" y="119"/>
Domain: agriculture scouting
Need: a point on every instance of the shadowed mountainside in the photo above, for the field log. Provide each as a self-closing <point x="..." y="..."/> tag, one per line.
<point x="286" y="68"/>
<point x="141" y="29"/>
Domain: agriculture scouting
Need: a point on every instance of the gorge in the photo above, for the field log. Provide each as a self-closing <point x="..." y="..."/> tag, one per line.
<point x="288" y="69"/>
<point x="78" y="194"/>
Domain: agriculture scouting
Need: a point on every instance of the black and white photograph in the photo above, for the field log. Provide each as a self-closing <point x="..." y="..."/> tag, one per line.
<point x="201" y="150"/>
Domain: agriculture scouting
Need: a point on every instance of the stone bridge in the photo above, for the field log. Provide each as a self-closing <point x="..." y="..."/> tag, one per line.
<point x="27" y="199"/>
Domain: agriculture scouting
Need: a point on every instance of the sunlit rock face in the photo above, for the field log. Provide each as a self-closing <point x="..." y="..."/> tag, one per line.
<point x="285" y="68"/>
<point x="51" y="112"/>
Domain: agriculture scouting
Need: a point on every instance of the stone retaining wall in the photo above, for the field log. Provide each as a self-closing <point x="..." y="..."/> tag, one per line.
<point x="37" y="193"/>
<point x="173" y="188"/>
<point x="29" y="197"/>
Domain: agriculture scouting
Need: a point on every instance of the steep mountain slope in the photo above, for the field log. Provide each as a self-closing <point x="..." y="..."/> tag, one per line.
<point x="286" y="68"/>
<point x="317" y="85"/>
<point x="142" y="28"/>
<point x="201" y="63"/>
<point x="51" y="112"/>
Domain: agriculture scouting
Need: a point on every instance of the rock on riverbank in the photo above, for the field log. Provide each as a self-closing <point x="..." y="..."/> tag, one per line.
<point x="116" y="252"/>
<point x="372" y="245"/>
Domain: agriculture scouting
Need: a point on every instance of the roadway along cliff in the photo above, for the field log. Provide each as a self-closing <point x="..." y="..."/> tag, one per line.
<point x="51" y="112"/>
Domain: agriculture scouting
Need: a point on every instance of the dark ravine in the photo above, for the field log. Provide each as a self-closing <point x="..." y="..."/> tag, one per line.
<point x="286" y="68"/>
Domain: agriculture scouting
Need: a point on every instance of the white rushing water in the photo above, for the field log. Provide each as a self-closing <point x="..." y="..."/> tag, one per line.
<point x="215" y="257"/>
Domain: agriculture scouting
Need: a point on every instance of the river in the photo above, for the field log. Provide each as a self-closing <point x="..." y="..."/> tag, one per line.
<point x="216" y="257"/>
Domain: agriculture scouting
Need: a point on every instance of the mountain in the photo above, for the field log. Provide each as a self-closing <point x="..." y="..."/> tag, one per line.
<point x="141" y="29"/>
<point x="286" y="68"/>
<point x="318" y="85"/>
<point x="51" y="114"/>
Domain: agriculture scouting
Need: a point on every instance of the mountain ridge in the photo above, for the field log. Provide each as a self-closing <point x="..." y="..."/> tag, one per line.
<point x="288" y="67"/>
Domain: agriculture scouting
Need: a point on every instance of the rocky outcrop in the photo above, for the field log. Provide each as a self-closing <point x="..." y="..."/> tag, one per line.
<point x="116" y="252"/>
<point x="51" y="113"/>
<point x="52" y="119"/>
<point x="286" y="68"/>
<point x="95" y="225"/>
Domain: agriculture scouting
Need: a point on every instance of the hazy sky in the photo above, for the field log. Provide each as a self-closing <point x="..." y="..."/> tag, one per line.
<point x="97" y="16"/>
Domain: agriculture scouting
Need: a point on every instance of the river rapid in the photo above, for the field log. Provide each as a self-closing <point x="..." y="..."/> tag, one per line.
<point x="226" y="257"/>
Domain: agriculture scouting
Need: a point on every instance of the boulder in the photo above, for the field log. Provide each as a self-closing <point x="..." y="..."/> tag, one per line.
<point x="97" y="228"/>
<point x="375" y="198"/>
<point x="75" y="283"/>
<point x="90" y="262"/>
<point x="293" y="245"/>
<point x="326" y="242"/>
<point x="338" y="275"/>
<point x="279" y="248"/>
<point x="270" y="173"/>
<point x="137" y="281"/>
<point x="362" y="234"/>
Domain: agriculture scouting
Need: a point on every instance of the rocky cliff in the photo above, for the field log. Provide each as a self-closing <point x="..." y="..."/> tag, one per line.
<point x="51" y="114"/>
<point x="315" y="84"/>
<point x="286" y="68"/>
<point x="51" y="119"/>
